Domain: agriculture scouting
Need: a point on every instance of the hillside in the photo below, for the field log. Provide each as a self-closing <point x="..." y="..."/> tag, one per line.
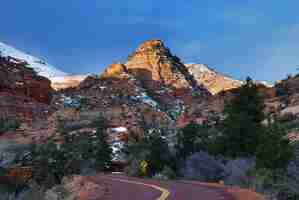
<point x="39" y="65"/>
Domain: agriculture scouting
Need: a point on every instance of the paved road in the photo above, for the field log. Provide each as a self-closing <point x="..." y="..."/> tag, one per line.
<point x="124" y="188"/>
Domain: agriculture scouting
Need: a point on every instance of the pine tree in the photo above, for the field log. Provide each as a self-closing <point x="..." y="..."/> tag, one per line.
<point x="242" y="126"/>
<point x="103" y="154"/>
<point x="151" y="153"/>
<point x="276" y="151"/>
<point x="159" y="154"/>
<point x="186" y="140"/>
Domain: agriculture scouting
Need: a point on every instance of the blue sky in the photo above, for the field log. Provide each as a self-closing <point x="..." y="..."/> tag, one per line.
<point x="259" y="38"/>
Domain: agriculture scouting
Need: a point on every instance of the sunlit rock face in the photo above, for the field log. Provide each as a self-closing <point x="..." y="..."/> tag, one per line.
<point x="69" y="81"/>
<point x="116" y="70"/>
<point x="212" y="80"/>
<point x="153" y="61"/>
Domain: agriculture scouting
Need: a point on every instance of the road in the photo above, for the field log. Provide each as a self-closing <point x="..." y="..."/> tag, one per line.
<point x="124" y="188"/>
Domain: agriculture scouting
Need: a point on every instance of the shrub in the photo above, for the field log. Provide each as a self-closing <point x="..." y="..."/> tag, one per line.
<point x="275" y="151"/>
<point x="203" y="167"/>
<point x="293" y="173"/>
<point x="133" y="169"/>
<point x="52" y="161"/>
<point x="236" y="171"/>
<point x="194" y="138"/>
<point x="168" y="172"/>
<point x="9" y="125"/>
<point x="151" y="150"/>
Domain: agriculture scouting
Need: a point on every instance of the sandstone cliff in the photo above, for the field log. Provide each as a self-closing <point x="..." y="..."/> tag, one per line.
<point x="23" y="93"/>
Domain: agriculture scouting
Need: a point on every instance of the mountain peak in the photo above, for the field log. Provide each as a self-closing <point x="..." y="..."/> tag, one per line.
<point x="153" y="62"/>
<point x="151" y="45"/>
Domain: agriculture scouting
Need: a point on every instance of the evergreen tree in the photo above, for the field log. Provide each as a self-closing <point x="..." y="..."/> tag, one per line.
<point x="159" y="154"/>
<point x="52" y="161"/>
<point x="103" y="153"/>
<point x="186" y="140"/>
<point x="195" y="138"/>
<point x="276" y="151"/>
<point x="242" y="127"/>
<point x="151" y="150"/>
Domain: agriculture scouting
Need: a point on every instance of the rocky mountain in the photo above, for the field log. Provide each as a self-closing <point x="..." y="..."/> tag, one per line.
<point x="154" y="65"/>
<point x="23" y="94"/>
<point x="212" y="80"/>
<point x="152" y="87"/>
<point x="153" y="62"/>
<point x="39" y="65"/>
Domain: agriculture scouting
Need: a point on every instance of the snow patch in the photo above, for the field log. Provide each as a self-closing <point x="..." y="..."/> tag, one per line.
<point x="119" y="129"/>
<point x="39" y="65"/>
<point x="148" y="100"/>
<point x="198" y="68"/>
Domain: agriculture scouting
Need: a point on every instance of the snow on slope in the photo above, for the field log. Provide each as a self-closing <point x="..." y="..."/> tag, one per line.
<point x="39" y="65"/>
<point x="212" y="80"/>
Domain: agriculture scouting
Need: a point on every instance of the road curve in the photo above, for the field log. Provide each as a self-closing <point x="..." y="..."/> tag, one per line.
<point x="125" y="188"/>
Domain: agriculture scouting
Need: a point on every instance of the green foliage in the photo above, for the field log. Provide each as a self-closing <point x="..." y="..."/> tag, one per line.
<point x="102" y="150"/>
<point x="194" y="138"/>
<point x="9" y="125"/>
<point x="2" y="171"/>
<point x="152" y="149"/>
<point x="275" y="151"/>
<point x="242" y="126"/>
<point x="169" y="173"/>
<point x="186" y="140"/>
<point x="53" y="161"/>
<point x="275" y="184"/>
<point x="290" y="125"/>
<point x="83" y="102"/>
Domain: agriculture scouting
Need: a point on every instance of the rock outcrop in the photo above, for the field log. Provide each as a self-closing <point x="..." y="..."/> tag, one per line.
<point x="212" y="80"/>
<point x="23" y="94"/>
<point x="152" y="88"/>
<point x="116" y="70"/>
<point x="152" y="61"/>
<point x="69" y="81"/>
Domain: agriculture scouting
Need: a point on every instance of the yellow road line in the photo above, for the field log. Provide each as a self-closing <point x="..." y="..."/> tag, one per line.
<point x="165" y="193"/>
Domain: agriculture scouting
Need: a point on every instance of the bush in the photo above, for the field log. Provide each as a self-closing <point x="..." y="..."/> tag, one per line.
<point x="293" y="173"/>
<point x="290" y="125"/>
<point x="149" y="154"/>
<point x="133" y="169"/>
<point x="275" y="151"/>
<point x="194" y="138"/>
<point x="236" y="171"/>
<point x="203" y="167"/>
<point x="53" y="161"/>
<point x="9" y="125"/>
<point x="168" y="172"/>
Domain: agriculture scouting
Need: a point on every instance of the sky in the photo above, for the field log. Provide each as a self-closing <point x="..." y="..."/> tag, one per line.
<point x="240" y="38"/>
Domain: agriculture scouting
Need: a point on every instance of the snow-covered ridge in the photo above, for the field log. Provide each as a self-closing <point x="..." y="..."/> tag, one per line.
<point x="199" y="68"/>
<point x="39" y="65"/>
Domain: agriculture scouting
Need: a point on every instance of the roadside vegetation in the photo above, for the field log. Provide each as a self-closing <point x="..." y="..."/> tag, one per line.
<point x="63" y="155"/>
<point x="8" y="125"/>
<point x="247" y="149"/>
<point x="72" y="154"/>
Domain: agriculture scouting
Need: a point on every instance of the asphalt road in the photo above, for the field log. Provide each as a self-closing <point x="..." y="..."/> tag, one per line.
<point x="124" y="188"/>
